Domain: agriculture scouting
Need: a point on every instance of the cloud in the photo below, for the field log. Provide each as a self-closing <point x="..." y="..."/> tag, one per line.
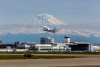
<point x="35" y="26"/>
<point x="20" y="29"/>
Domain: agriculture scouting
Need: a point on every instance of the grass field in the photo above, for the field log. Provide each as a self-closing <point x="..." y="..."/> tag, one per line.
<point x="29" y="56"/>
<point x="49" y="52"/>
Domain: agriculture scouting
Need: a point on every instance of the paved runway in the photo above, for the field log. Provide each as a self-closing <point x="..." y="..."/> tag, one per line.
<point x="50" y="62"/>
<point x="68" y="62"/>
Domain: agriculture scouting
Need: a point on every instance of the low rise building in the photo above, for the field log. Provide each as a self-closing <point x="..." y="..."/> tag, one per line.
<point x="79" y="46"/>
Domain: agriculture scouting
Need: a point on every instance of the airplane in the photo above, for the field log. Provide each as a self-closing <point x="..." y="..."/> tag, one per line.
<point x="45" y="28"/>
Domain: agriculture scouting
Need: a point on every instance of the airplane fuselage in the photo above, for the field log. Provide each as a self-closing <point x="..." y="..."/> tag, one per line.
<point x="49" y="29"/>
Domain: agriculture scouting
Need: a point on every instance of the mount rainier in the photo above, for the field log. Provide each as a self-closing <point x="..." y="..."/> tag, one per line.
<point x="46" y="19"/>
<point x="35" y="26"/>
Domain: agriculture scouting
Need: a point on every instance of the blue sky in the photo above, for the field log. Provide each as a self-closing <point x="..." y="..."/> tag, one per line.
<point x="69" y="11"/>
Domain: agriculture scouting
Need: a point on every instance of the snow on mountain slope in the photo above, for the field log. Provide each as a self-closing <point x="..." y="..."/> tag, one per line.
<point x="46" y="19"/>
<point x="35" y="26"/>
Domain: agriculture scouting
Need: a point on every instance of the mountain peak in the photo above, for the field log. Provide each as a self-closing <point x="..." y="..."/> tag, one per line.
<point x="46" y="15"/>
<point x="46" y="19"/>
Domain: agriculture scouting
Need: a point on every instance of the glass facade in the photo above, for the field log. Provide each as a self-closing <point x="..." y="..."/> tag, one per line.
<point x="80" y="47"/>
<point x="44" y="40"/>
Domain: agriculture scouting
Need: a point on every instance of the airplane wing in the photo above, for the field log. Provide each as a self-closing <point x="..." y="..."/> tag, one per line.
<point x="45" y="28"/>
<point x="55" y="30"/>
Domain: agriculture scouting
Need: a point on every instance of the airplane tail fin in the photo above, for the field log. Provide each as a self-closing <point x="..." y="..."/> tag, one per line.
<point x="55" y="30"/>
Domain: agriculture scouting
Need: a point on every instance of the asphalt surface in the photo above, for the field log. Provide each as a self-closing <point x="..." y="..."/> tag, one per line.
<point x="83" y="61"/>
<point x="50" y="62"/>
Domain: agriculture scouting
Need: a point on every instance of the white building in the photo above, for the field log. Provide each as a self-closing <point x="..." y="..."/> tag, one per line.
<point x="66" y="39"/>
<point x="95" y="47"/>
<point x="22" y="47"/>
<point x="51" y="47"/>
<point x="43" y="47"/>
<point x="46" y="40"/>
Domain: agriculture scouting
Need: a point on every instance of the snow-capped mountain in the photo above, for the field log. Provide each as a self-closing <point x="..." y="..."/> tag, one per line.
<point x="35" y="26"/>
<point x="46" y="19"/>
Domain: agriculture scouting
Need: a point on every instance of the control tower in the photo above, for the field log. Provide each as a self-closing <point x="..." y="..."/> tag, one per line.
<point x="66" y="39"/>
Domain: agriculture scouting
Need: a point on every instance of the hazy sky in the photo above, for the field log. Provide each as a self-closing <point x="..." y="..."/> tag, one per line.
<point x="69" y="11"/>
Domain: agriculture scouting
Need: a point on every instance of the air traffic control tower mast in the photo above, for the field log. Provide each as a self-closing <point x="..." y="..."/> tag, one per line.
<point x="66" y="39"/>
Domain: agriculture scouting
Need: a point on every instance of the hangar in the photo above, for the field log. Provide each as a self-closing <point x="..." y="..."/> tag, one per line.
<point x="80" y="46"/>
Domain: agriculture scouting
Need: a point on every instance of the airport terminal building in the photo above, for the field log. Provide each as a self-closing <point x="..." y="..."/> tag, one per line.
<point x="48" y="44"/>
<point x="80" y="46"/>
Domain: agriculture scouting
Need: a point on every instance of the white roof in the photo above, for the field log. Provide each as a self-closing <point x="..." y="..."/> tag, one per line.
<point x="43" y="45"/>
<point x="72" y="43"/>
<point x="81" y="42"/>
<point x="27" y="45"/>
<point x="75" y="43"/>
<point x="61" y="44"/>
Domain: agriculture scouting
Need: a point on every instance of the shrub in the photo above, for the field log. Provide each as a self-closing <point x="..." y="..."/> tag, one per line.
<point x="27" y="55"/>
